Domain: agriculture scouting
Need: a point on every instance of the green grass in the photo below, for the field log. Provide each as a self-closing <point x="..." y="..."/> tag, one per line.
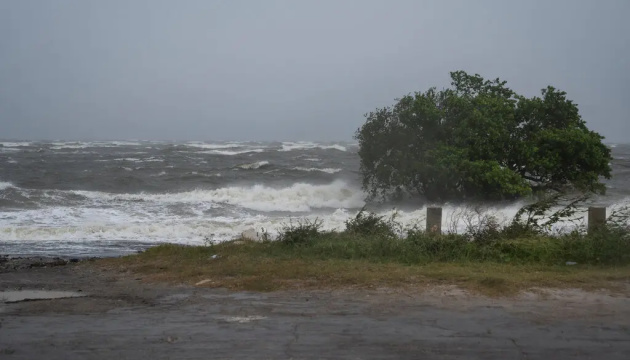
<point x="306" y="258"/>
<point x="605" y="247"/>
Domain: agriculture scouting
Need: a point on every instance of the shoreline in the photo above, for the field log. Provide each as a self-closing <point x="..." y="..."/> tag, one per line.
<point x="16" y="263"/>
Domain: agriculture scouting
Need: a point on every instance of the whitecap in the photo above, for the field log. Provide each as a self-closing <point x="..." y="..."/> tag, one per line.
<point x="69" y="146"/>
<point x="118" y="143"/>
<point x="231" y="153"/>
<point x="213" y="146"/>
<point x="10" y="144"/>
<point x="325" y="170"/>
<point x="252" y="166"/>
<point x="5" y="185"/>
<point x="304" y="145"/>
<point x="61" y="145"/>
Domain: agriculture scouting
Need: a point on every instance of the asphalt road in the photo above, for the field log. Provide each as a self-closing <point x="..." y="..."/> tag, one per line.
<point x="123" y="318"/>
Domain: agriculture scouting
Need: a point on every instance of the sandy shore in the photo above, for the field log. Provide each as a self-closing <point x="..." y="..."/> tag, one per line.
<point x="120" y="316"/>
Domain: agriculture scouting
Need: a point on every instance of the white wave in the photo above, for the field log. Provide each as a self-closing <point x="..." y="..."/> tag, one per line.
<point x="162" y="173"/>
<point x="61" y="145"/>
<point x="73" y="145"/>
<point x="127" y="169"/>
<point x="326" y="170"/>
<point x="5" y="185"/>
<point x="186" y="231"/>
<point x="336" y="147"/>
<point x="231" y="153"/>
<point x="256" y="165"/>
<point x="151" y="159"/>
<point x="16" y="143"/>
<point x="213" y="146"/>
<point x="8" y="150"/>
<point x="304" y="145"/>
<point x="12" y="161"/>
<point x="312" y="159"/>
<point x="82" y="225"/>
<point x="299" y="197"/>
<point x="118" y="143"/>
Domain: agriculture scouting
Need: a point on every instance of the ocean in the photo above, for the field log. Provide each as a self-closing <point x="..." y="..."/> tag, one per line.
<point x="109" y="198"/>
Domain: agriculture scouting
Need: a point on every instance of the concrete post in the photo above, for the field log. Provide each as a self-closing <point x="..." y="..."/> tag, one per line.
<point x="434" y="220"/>
<point x="596" y="217"/>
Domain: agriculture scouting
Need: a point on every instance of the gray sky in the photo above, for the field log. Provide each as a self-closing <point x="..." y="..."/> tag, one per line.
<point x="290" y="70"/>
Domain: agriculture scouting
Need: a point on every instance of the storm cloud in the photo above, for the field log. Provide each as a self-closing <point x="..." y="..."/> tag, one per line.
<point x="290" y="70"/>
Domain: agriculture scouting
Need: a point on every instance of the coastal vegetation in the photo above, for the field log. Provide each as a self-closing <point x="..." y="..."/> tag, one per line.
<point x="374" y="252"/>
<point x="480" y="140"/>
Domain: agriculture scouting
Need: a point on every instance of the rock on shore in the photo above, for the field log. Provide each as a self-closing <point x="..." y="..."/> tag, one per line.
<point x="8" y="263"/>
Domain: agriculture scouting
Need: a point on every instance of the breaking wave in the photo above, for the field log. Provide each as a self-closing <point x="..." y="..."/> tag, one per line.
<point x="213" y="146"/>
<point x="15" y="144"/>
<point x="253" y="166"/>
<point x="231" y="153"/>
<point x="299" y="197"/>
<point x="325" y="170"/>
<point x="92" y="144"/>
<point x="5" y="185"/>
<point x="304" y="145"/>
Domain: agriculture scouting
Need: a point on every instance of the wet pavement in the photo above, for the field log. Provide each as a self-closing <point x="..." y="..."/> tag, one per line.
<point x="123" y="318"/>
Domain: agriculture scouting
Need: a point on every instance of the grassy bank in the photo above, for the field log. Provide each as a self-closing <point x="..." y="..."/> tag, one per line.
<point x="492" y="261"/>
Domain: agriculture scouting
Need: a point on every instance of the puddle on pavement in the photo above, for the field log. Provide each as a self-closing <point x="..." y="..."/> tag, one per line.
<point x="28" y="295"/>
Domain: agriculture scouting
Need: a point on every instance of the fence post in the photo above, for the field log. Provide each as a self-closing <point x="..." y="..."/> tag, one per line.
<point x="596" y="217"/>
<point x="434" y="220"/>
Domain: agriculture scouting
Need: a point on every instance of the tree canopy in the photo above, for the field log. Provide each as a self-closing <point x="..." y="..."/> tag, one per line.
<point x="480" y="140"/>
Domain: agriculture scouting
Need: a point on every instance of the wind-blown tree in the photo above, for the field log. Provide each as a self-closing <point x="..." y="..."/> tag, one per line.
<point x="480" y="140"/>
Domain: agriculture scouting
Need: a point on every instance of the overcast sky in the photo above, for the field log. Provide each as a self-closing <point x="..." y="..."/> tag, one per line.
<point x="293" y="69"/>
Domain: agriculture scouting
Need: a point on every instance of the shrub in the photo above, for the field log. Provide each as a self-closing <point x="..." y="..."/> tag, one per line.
<point x="368" y="223"/>
<point x="303" y="232"/>
<point x="606" y="245"/>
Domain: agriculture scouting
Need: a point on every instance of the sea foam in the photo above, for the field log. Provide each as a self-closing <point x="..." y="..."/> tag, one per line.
<point x="5" y="185"/>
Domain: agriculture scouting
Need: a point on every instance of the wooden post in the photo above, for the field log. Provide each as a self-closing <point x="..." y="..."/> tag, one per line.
<point x="596" y="217"/>
<point x="434" y="220"/>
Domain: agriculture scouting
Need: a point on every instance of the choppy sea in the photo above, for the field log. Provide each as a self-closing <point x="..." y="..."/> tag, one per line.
<point x="108" y="198"/>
